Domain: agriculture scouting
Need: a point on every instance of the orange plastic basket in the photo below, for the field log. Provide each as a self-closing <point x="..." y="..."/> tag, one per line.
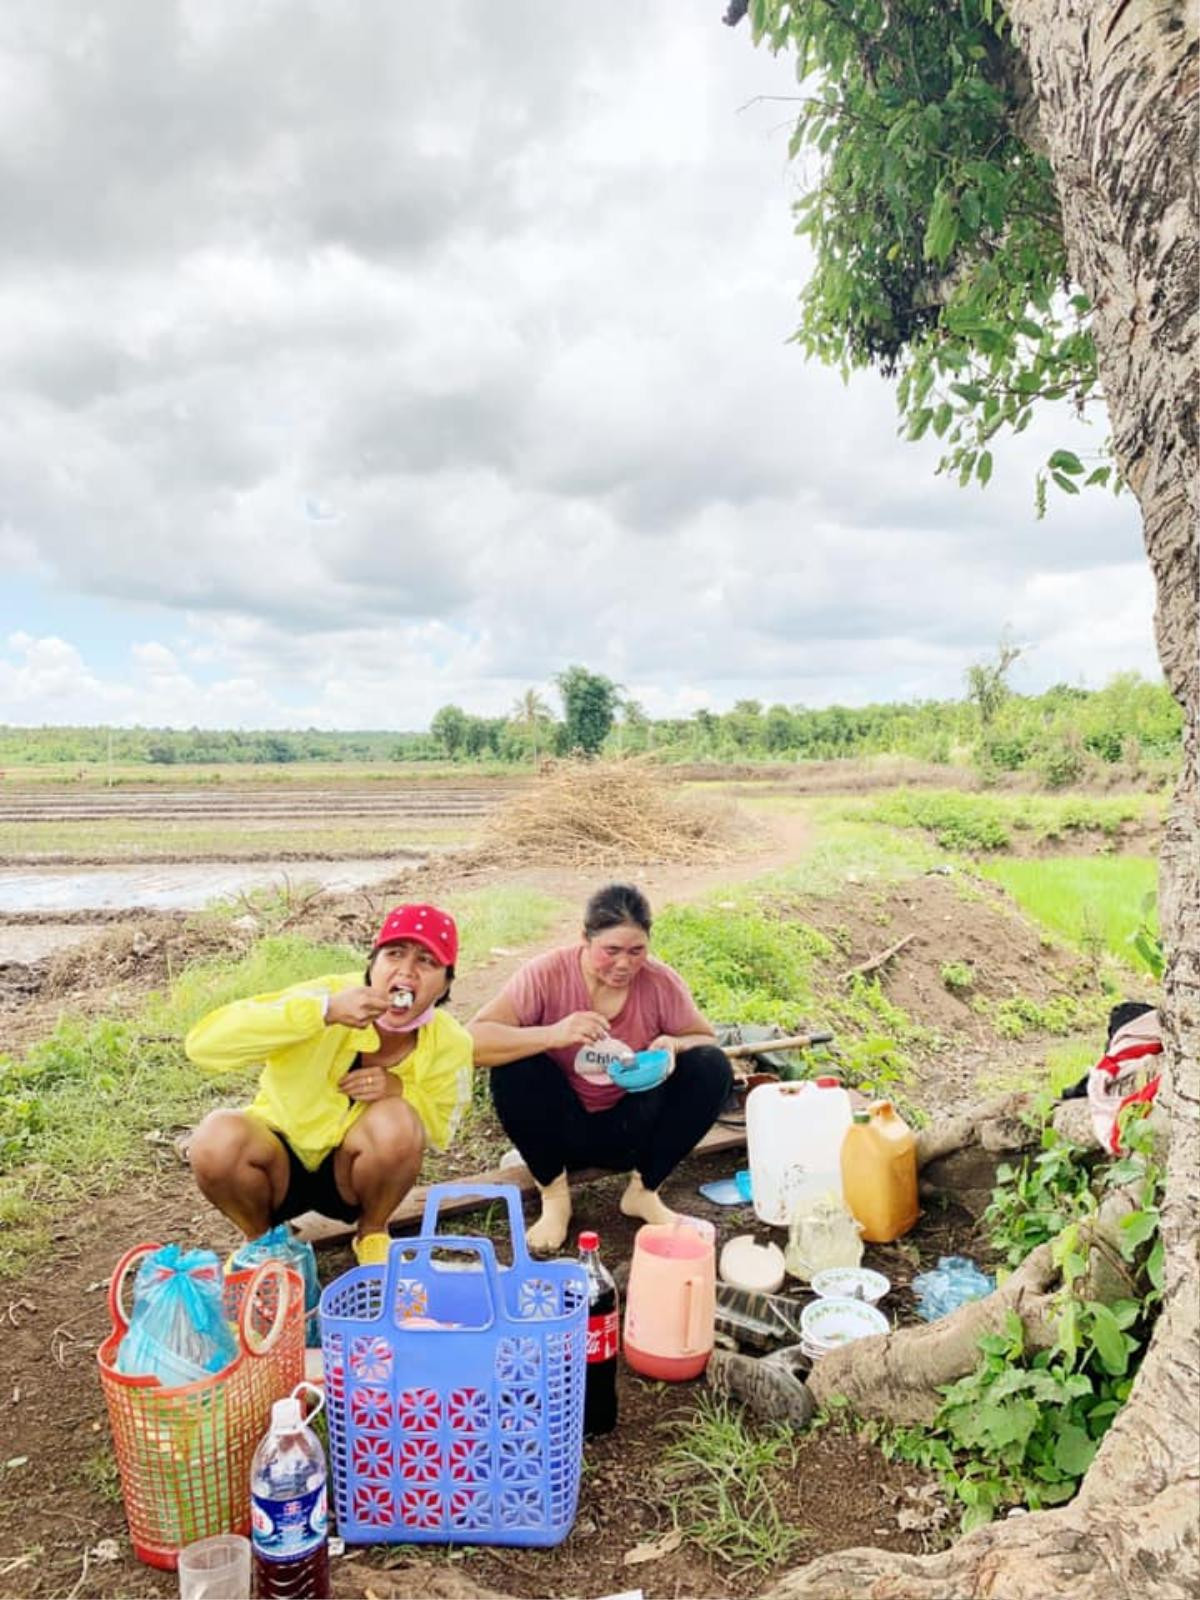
<point x="184" y="1453"/>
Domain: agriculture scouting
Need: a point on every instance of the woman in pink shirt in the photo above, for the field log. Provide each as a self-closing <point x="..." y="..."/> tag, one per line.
<point x="570" y="1009"/>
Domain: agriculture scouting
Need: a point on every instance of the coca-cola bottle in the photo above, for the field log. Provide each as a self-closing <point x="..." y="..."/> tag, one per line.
<point x="603" y="1340"/>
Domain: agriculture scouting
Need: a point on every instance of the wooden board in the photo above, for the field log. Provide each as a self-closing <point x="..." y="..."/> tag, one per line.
<point x="324" y="1233"/>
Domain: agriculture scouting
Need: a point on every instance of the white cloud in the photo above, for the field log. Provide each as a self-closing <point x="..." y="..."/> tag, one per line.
<point x="382" y="364"/>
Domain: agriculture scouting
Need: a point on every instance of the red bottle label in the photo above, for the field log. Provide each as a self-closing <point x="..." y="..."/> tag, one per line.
<point x="603" y="1338"/>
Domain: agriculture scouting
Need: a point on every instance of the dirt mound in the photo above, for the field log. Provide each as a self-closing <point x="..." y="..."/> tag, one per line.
<point x="603" y="813"/>
<point x="964" y="951"/>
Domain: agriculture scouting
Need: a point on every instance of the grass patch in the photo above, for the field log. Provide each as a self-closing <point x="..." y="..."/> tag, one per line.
<point x="724" y="1474"/>
<point x="1092" y="903"/>
<point x="982" y="823"/>
<point x="1058" y="1068"/>
<point x="850" y="850"/>
<point x="499" y="919"/>
<point x="749" y="958"/>
<point x="102" y="1476"/>
<point x="1017" y="1016"/>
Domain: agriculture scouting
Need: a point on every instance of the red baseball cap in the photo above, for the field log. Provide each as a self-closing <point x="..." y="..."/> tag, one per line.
<point x="427" y="925"/>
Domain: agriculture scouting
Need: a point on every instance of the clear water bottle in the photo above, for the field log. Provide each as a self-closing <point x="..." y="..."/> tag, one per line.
<point x="603" y="1340"/>
<point x="289" y="1509"/>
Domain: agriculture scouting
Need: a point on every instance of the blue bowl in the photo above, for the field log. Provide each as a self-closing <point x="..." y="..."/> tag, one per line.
<point x="646" y="1071"/>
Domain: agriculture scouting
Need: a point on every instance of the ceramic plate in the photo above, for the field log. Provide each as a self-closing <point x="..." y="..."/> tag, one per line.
<point x="851" y="1283"/>
<point x="830" y="1323"/>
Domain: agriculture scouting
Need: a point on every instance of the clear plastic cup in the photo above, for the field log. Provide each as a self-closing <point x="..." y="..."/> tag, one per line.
<point x="215" y="1569"/>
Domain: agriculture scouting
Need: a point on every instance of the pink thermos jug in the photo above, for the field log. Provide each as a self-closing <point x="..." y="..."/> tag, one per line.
<point x="670" y="1302"/>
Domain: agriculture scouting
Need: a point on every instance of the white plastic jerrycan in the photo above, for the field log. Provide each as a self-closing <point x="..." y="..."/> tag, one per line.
<point x="794" y="1134"/>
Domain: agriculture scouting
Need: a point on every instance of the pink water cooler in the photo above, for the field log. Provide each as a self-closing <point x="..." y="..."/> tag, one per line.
<point x="670" y="1302"/>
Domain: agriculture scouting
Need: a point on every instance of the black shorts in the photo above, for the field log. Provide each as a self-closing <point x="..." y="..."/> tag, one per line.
<point x="312" y="1191"/>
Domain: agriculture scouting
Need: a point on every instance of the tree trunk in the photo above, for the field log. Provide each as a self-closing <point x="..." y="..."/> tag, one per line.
<point x="1115" y="83"/>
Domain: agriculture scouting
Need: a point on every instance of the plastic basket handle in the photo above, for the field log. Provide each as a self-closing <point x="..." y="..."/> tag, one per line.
<point x="263" y="1273"/>
<point x="508" y="1192"/>
<point x="116" y="1284"/>
<point x="399" y="1267"/>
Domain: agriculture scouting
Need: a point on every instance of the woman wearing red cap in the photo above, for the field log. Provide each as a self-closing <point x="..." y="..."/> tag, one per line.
<point x="357" y="1074"/>
<point x="557" y="1020"/>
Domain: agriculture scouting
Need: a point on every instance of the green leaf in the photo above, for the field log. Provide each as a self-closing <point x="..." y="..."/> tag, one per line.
<point x="983" y="467"/>
<point x="1136" y="1228"/>
<point x="1066" y="461"/>
<point x="941" y="229"/>
<point x="1073" y="1450"/>
<point x="1156" y="1263"/>
<point x="1108" y="1339"/>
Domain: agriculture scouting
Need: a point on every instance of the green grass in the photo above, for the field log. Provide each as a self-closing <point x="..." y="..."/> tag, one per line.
<point x="848" y="850"/>
<point x="1093" y="903"/>
<point x="1055" y="1070"/>
<point x="747" y="957"/>
<point x="723" y="1474"/>
<point x="980" y="823"/>
<point x="501" y="918"/>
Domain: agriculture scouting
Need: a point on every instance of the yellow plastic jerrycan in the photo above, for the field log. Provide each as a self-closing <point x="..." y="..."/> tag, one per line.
<point x="879" y="1172"/>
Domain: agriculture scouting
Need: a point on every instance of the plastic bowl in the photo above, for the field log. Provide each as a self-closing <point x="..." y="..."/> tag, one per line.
<point x="647" y="1070"/>
<point x="851" y="1283"/>
<point x="828" y="1324"/>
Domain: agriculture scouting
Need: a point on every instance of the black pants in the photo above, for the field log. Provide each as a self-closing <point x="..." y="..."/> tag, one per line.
<point x="649" y="1133"/>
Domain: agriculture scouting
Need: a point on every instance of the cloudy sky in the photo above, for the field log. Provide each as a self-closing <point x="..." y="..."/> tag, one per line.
<point x="357" y="358"/>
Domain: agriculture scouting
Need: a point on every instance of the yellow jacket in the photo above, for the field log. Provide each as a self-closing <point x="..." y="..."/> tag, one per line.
<point x="303" y="1059"/>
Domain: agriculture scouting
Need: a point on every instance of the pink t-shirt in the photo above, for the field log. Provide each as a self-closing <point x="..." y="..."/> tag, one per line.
<point x="551" y="987"/>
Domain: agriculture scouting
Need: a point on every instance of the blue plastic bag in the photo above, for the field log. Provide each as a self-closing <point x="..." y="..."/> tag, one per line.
<point x="177" y="1328"/>
<point x="277" y="1244"/>
<point x="955" y="1281"/>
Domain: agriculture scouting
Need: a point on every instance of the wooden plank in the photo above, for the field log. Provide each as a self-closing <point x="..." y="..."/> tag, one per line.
<point x="324" y="1232"/>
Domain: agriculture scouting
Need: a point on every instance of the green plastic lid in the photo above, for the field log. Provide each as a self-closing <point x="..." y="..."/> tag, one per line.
<point x="862" y="1116"/>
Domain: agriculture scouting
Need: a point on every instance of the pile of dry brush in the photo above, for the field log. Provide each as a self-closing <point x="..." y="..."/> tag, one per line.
<point x="602" y="813"/>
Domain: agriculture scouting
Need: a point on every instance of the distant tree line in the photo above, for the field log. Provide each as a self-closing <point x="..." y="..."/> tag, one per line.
<point x="1055" y="734"/>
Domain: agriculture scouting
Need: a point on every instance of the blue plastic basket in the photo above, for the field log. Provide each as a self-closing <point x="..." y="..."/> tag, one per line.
<point x="454" y="1389"/>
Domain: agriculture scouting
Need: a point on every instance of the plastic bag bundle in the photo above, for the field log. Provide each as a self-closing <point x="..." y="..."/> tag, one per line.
<point x="177" y="1330"/>
<point x="277" y="1244"/>
<point x="955" y="1281"/>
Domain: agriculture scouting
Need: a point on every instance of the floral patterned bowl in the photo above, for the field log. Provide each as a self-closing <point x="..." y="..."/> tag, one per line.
<point x="827" y="1323"/>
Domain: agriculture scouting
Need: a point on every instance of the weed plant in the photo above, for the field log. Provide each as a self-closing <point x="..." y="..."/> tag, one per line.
<point x="1024" y="1426"/>
<point x="723" y="1474"/>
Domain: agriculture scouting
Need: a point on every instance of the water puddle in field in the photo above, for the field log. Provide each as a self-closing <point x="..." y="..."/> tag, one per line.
<point x="177" y="885"/>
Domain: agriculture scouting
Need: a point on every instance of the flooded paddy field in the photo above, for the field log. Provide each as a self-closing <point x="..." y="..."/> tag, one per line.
<point x="74" y="858"/>
<point x="271" y="823"/>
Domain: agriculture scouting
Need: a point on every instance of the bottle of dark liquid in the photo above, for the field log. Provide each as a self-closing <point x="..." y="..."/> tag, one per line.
<point x="603" y="1340"/>
<point x="289" y="1514"/>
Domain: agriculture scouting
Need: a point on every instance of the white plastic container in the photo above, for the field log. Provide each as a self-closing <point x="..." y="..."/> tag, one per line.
<point x="794" y="1134"/>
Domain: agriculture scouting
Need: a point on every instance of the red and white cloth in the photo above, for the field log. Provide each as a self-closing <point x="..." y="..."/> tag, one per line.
<point x="1125" y="1075"/>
